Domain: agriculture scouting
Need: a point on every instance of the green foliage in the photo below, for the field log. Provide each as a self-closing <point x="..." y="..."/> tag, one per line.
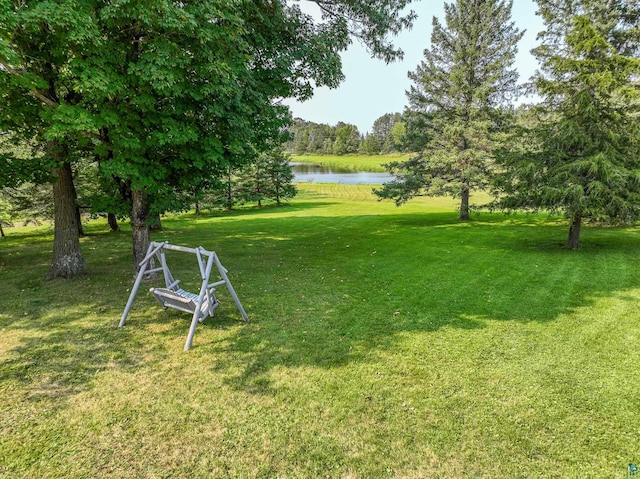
<point x="226" y="194"/>
<point x="27" y="203"/>
<point x="582" y="157"/>
<point x="20" y="161"/>
<point x="268" y="178"/>
<point x="278" y="175"/>
<point x="618" y="21"/>
<point x="371" y="145"/>
<point x="172" y="95"/>
<point x="25" y="194"/>
<point x="388" y="135"/>
<point x="396" y="140"/>
<point x="316" y="138"/>
<point x="163" y="112"/>
<point x="347" y="139"/>
<point x="459" y="91"/>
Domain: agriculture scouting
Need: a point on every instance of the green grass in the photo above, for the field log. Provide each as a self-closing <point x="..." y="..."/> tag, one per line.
<point x="352" y="162"/>
<point x="385" y="343"/>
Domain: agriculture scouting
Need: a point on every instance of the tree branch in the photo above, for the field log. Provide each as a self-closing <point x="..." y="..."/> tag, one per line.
<point x="44" y="99"/>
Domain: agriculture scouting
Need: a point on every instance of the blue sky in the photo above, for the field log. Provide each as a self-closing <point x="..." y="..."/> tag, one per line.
<point x="372" y="88"/>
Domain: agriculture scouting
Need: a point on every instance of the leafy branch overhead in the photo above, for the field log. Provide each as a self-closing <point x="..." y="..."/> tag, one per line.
<point x="370" y="21"/>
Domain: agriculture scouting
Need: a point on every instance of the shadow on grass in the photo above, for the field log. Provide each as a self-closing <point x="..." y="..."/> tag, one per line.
<point x="55" y="337"/>
<point x="58" y="356"/>
<point x="321" y="291"/>
<point x="339" y="289"/>
<point x="243" y="211"/>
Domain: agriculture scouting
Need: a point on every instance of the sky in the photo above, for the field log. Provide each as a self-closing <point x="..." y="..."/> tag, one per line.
<point x="372" y="88"/>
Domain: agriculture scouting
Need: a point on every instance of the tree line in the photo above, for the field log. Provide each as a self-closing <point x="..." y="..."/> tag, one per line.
<point x="388" y="135"/>
<point x="269" y="178"/>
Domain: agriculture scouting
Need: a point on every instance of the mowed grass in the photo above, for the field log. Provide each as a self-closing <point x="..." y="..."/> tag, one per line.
<point x="352" y="162"/>
<point x="385" y="343"/>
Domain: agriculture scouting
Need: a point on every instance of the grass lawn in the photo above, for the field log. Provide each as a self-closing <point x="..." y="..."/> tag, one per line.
<point x="352" y="162"/>
<point x="385" y="343"/>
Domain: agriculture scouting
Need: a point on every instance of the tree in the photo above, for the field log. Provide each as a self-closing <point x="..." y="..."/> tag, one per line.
<point x="459" y="88"/>
<point x="583" y="158"/>
<point x="381" y="129"/>
<point x="229" y="192"/>
<point x="387" y="134"/>
<point x="172" y="93"/>
<point x="31" y="83"/>
<point x="347" y="139"/>
<point x="254" y="182"/>
<point x="279" y="174"/>
<point x="371" y="145"/>
<point x="268" y="178"/>
<point x="397" y="136"/>
<point x="26" y="203"/>
<point x="302" y="141"/>
<point x="23" y="193"/>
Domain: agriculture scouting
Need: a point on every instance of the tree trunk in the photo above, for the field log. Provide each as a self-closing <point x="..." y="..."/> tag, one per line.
<point x="574" y="232"/>
<point x="67" y="259"/>
<point x="113" y="222"/>
<point x="78" y="214"/>
<point x="154" y="222"/>
<point x="139" y="227"/>
<point x="2" y="235"/>
<point x="229" y="197"/>
<point x="464" y="202"/>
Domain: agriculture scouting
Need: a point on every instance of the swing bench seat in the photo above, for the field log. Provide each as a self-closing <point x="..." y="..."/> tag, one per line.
<point x="185" y="301"/>
<point x="201" y="305"/>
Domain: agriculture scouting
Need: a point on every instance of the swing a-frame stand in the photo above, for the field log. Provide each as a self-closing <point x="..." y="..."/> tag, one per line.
<point x="201" y="305"/>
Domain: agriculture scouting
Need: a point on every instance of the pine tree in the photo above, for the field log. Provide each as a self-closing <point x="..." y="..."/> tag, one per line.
<point x="253" y="182"/>
<point x="279" y="173"/>
<point x="459" y="87"/>
<point x="583" y="158"/>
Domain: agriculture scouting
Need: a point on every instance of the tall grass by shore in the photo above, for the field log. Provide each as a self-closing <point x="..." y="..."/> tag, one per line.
<point x="385" y="342"/>
<point x="352" y="162"/>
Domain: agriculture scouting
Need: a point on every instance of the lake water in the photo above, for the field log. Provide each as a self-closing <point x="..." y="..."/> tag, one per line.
<point x="310" y="172"/>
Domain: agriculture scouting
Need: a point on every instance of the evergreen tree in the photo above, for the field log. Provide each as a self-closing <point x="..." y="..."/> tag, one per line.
<point x="583" y="158"/>
<point x="301" y="141"/>
<point x="381" y="131"/>
<point x="253" y="185"/>
<point x="228" y="192"/>
<point x="270" y="177"/>
<point x="458" y="89"/>
<point x="387" y="135"/>
<point x="279" y="174"/>
<point x="25" y="191"/>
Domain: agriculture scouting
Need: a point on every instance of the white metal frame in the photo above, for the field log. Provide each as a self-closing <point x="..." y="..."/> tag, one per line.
<point x="206" y="301"/>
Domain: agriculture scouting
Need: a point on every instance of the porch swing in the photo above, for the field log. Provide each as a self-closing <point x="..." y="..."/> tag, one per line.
<point x="201" y="305"/>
